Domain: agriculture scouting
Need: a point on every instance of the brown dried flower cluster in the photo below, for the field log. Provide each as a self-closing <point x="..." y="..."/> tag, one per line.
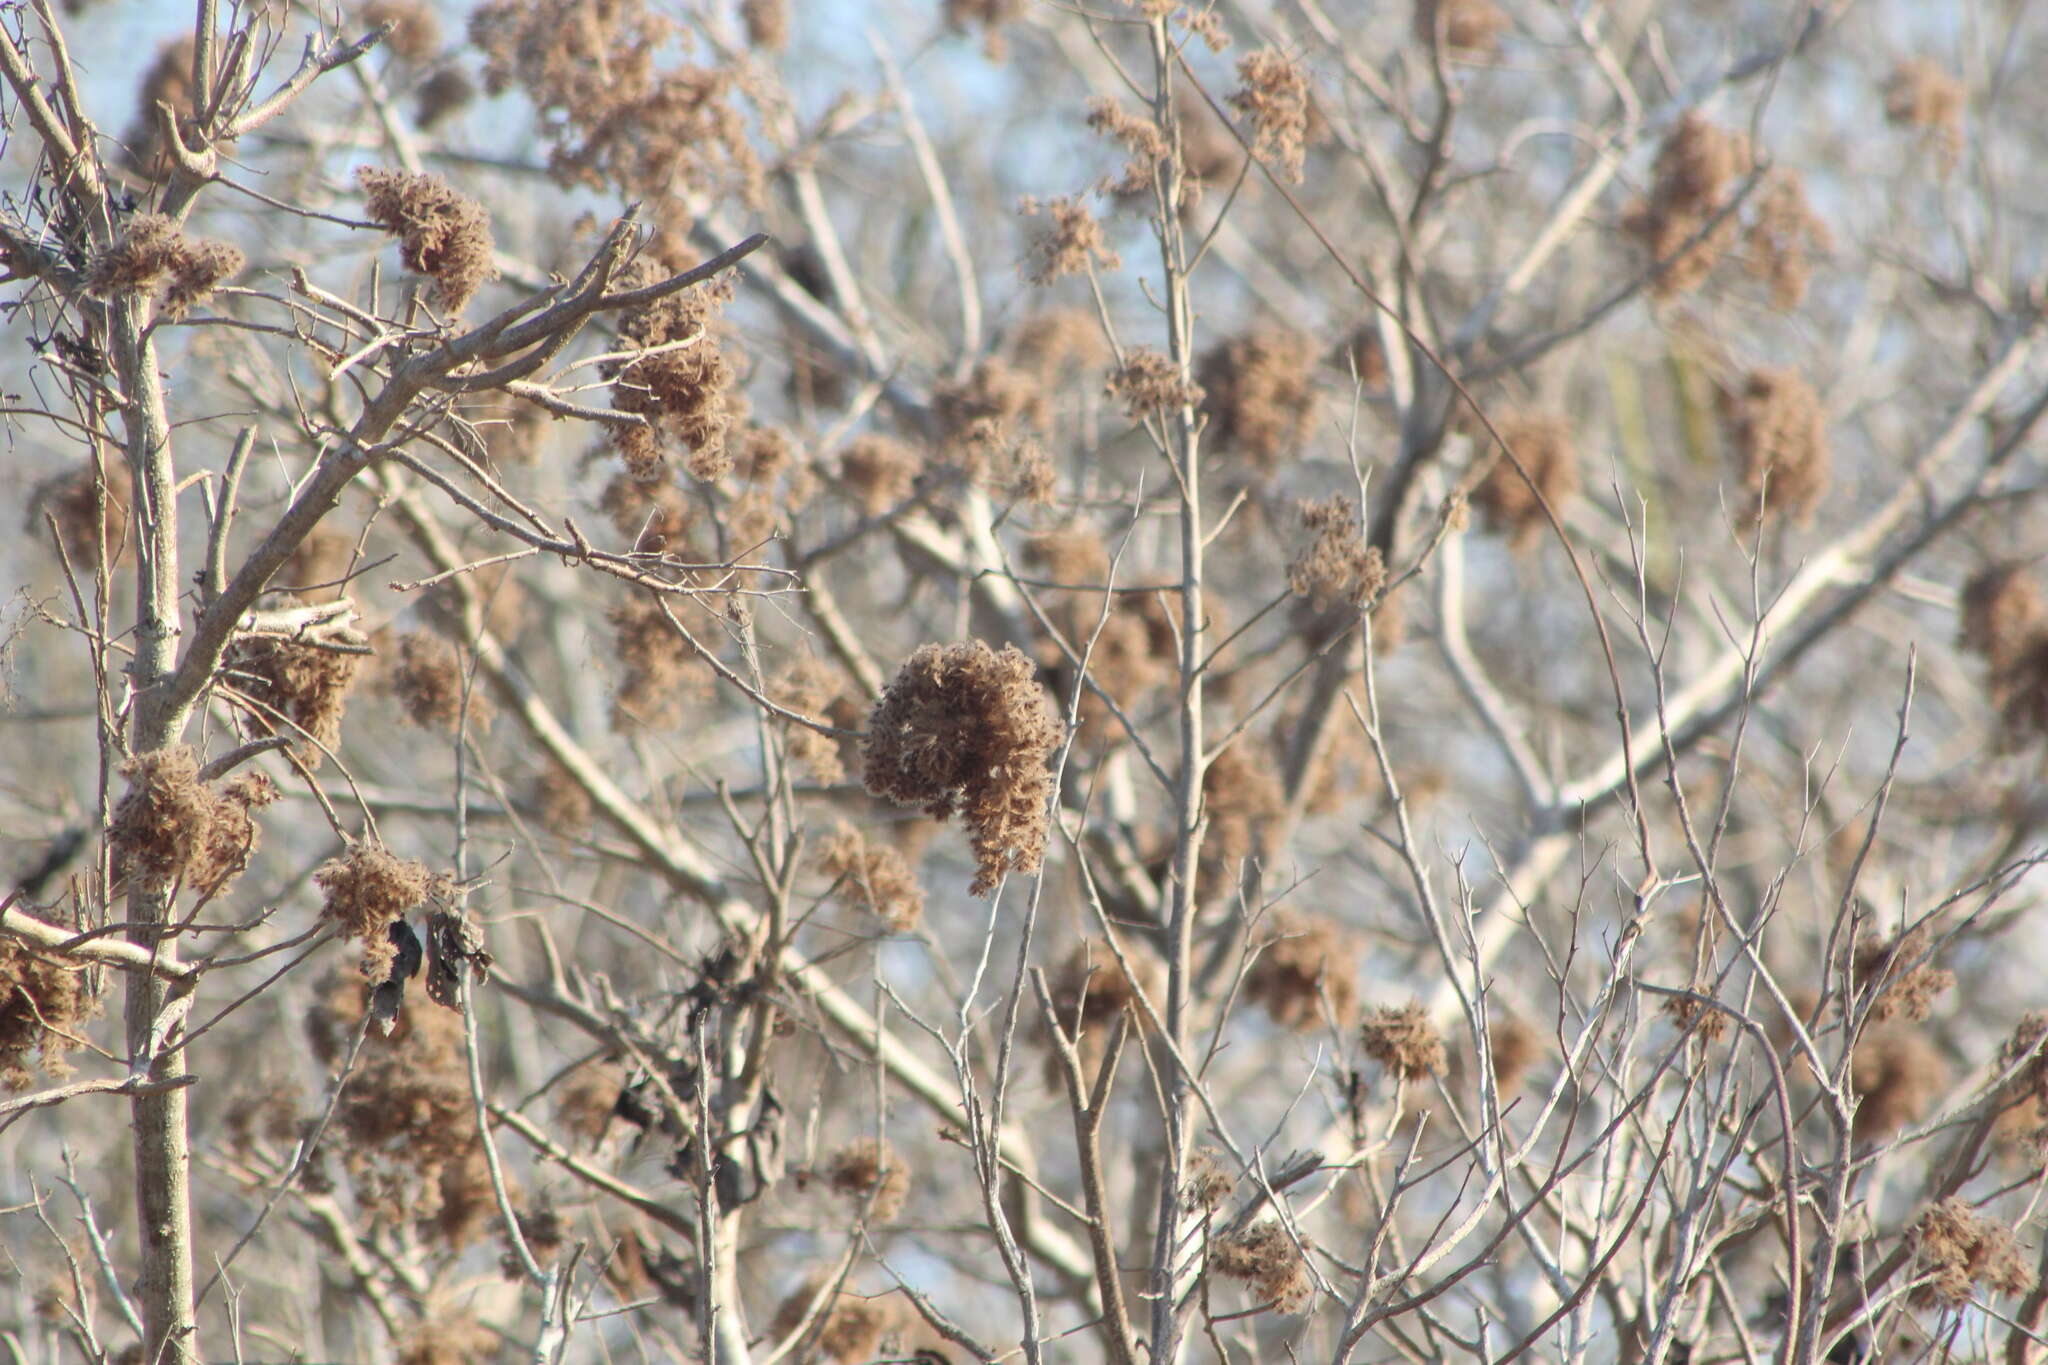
<point x="447" y="91"/>
<point x="168" y="81"/>
<point x="874" y="878"/>
<point x="767" y="24"/>
<point x="1090" y="988"/>
<point x="1906" y="986"/>
<point x="964" y="730"/>
<point x="297" y="687"/>
<point x="1920" y="94"/>
<point x="43" y="1003"/>
<point x="652" y="513"/>
<point x="410" y="1141"/>
<point x="441" y="234"/>
<point x="2005" y="622"/>
<point x="1337" y="566"/>
<point x="1148" y="381"/>
<point x="1306" y="972"/>
<point x="1072" y="242"/>
<point x="1515" y="1047"/>
<point x="152" y="257"/>
<point x="1132" y="646"/>
<point x="1470" y="26"/>
<point x="416" y="36"/>
<point x="1241" y="798"/>
<point x="1142" y="140"/>
<point x="614" y="117"/>
<point x="447" y="1339"/>
<point x="171" y="826"/>
<point x="366" y="889"/>
<point x="1261" y="396"/>
<point x="983" y="417"/>
<point x="1897" y="1075"/>
<point x="661" y="670"/>
<point x="2026" y="1043"/>
<point x="1782" y="238"/>
<point x="429" y="685"/>
<point x="683" y="394"/>
<point x="1404" y="1040"/>
<point x="1694" y="167"/>
<point x="990" y="16"/>
<point x="1273" y="96"/>
<point x="315" y="571"/>
<point x="1206" y="1183"/>
<point x="1779" y="433"/>
<point x="1959" y="1251"/>
<point x="1542" y="441"/>
<point x="90" y="509"/>
<point x="809" y="687"/>
<point x="879" y="471"/>
<point x="870" y="1173"/>
<point x="1265" y="1257"/>
<point x="1362" y="357"/>
<point x="849" y="1330"/>
<point x="560" y="802"/>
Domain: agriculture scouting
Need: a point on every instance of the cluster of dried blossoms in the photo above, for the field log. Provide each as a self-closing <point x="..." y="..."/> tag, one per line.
<point x="870" y="1173"/>
<point x="1273" y="96"/>
<point x="1126" y="638"/>
<point x="297" y="687"/>
<point x="1404" y="1040"/>
<point x="874" y="878"/>
<point x="442" y="235"/>
<point x="43" y="1002"/>
<point x="366" y="890"/>
<point x="1920" y="94"/>
<point x="90" y="509"/>
<point x="681" y="388"/>
<point x="2006" y="624"/>
<point x="1336" y="566"/>
<point x="662" y="671"/>
<point x="1542" y="443"/>
<point x="848" y="1328"/>
<point x="1958" y="1251"/>
<point x="1305" y="973"/>
<point x="152" y="256"/>
<point x="964" y="730"/>
<point x="1071" y="244"/>
<point x="1260" y="393"/>
<point x="172" y="827"/>
<point x="1779" y="432"/>
<point x="1896" y="1073"/>
<point x="1266" y="1258"/>
<point x="1091" y="990"/>
<point x="1148" y="382"/>
<point x="811" y="688"/>
<point x="1694" y="169"/>
<point x="429" y="684"/>
<point x="1467" y="26"/>
<point x="1906" y="985"/>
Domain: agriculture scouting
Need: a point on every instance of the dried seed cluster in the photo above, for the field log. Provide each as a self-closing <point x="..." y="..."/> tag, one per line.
<point x="1960" y="1251"/>
<point x="1336" y="566"/>
<point x="1694" y="167"/>
<point x="171" y="826"/>
<point x="366" y="889"/>
<point x="684" y="395"/>
<point x="662" y="672"/>
<point x="300" y="688"/>
<point x="964" y="730"/>
<point x="91" y="511"/>
<point x="429" y="685"/>
<point x="1306" y="971"/>
<point x="2006" y="623"/>
<point x="1072" y="242"/>
<point x="1921" y="94"/>
<point x="1468" y="26"/>
<point x="43" y="1003"/>
<point x="441" y="234"/>
<point x="1148" y="381"/>
<point x="151" y="256"/>
<point x="1542" y="441"/>
<point x="1261" y="397"/>
<point x="1404" y="1041"/>
<point x="850" y="1329"/>
<point x="874" y="878"/>
<point x="870" y="1173"/>
<point x="1906" y="986"/>
<point x="1897" y="1075"/>
<point x="1779" y="434"/>
<point x="1266" y="1258"/>
<point x="1273" y="96"/>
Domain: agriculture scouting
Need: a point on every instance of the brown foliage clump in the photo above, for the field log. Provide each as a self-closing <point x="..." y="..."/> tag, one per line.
<point x="987" y="15"/>
<point x="406" y="1119"/>
<point x="2005" y="621"/>
<point x="560" y="802"/>
<point x="1780" y="437"/>
<point x="870" y="1173"/>
<point x="168" y="81"/>
<point x="1404" y="1041"/>
<point x="90" y="509"/>
<point x="1057" y="342"/>
<point x="366" y="889"/>
<point x="1959" y="1250"/>
<point x="653" y="513"/>
<point x="428" y="682"/>
<point x="1090" y="988"/>
<point x="874" y="878"/>
<point x="1273" y="96"/>
<point x="1148" y="381"/>
<point x="1241" y="797"/>
<point x="1265" y="1257"/>
<point x="1515" y="1047"/>
<point x="447" y="1339"/>
<point x="1471" y="26"/>
<point x="1906" y="986"/>
<point x="684" y="395"/>
<point x="1261" y="398"/>
<point x="1071" y="244"/>
<point x="1337" y="565"/>
<point x="170" y="825"/>
<point x="964" y="730"/>
<point x="1305" y="973"/>
<point x="417" y="35"/>
<point x="849" y="1329"/>
<point x="614" y="117"/>
<point x="879" y="471"/>
<point x="661" y="670"/>
<point x="2026" y="1042"/>
<point x="152" y="256"/>
<point x="1141" y="138"/>
<point x="441" y="234"/>
<point x="43" y="1002"/>
<point x="809" y="687"/>
<point x="1782" y="238"/>
<point x="982" y="417"/>
<point x="1896" y="1074"/>
<point x="1131" y="651"/>
<point x="1542" y="441"/>
<point x="1694" y="167"/>
<point x="447" y="91"/>
<point x="315" y="571"/>
<point x="1362" y="356"/>
<point x="1207" y="1183"/>
<point x="297" y="687"/>
<point x="1920" y="94"/>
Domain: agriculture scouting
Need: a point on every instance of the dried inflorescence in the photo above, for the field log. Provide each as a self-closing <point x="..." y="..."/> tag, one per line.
<point x="879" y="471"/>
<point x="1469" y="26"/>
<point x="990" y="16"/>
<point x="1241" y="799"/>
<point x="2005" y="622"/>
<point x="1920" y="94"/>
<point x="447" y="1339"/>
<point x="661" y="670"/>
<point x="849" y="1329"/>
<point x="1273" y="96"/>
<point x="168" y="82"/>
<point x="1206" y="1183"/>
<point x="1336" y="566"/>
<point x="1071" y="243"/>
<point x="1362" y="357"/>
<point x="318" y="566"/>
<point x="1147" y="382"/>
<point x="1515" y="1047"/>
<point x="1779" y="433"/>
<point x="406" y="1121"/>
<point x="614" y="116"/>
<point x="2024" y="1049"/>
<point x="416" y="33"/>
<point x="1896" y="1074"/>
<point x="298" y="687"/>
<point x="1261" y="396"/>
<point x="1404" y="1040"/>
<point x="870" y="1173"/>
<point x="1783" y="236"/>
<point x="684" y="394"/>
<point x="873" y="877"/>
<point x="1695" y="166"/>
<point x="446" y="92"/>
<point x="1090" y="988"/>
<point x="1305" y="972"/>
<point x="1542" y="442"/>
<point x="1056" y="343"/>
<point x="366" y="889"/>
<point x="652" y="513"/>
<point x="982" y="417"/>
<point x="43" y="1003"/>
<point x="809" y="687"/>
<point x="171" y="826"/>
<point x="1959" y="1251"/>
<point x="90" y="507"/>
<point x="767" y="24"/>
<point x="1905" y="985"/>
<point x="964" y="730"/>
<point x="151" y="256"/>
<point x="560" y="802"/>
<point x="1265" y="1257"/>
<point x="429" y="684"/>
<point x="441" y="234"/>
<point x="1143" y="141"/>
